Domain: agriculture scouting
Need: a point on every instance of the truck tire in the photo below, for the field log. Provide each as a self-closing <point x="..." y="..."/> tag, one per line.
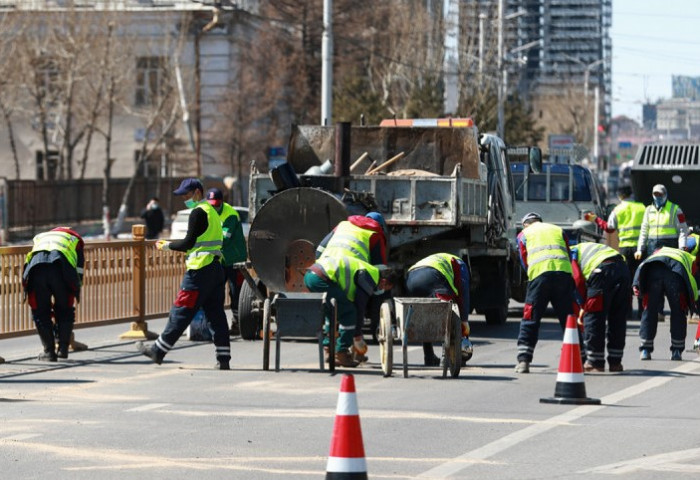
<point x="249" y="317"/>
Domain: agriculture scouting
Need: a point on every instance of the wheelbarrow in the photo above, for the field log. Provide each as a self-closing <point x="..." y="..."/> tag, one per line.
<point x="297" y="315"/>
<point x="419" y="320"/>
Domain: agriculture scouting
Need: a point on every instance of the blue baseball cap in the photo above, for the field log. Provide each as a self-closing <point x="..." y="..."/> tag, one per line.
<point x="379" y="218"/>
<point x="189" y="185"/>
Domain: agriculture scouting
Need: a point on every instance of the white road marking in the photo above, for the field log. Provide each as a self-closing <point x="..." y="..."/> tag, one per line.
<point x="20" y="437"/>
<point x="149" y="406"/>
<point x="458" y="463"/>
<point x="665" y="462"/>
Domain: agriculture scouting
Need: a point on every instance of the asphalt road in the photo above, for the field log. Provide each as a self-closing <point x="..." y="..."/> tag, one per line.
<point x="108" y="413"/>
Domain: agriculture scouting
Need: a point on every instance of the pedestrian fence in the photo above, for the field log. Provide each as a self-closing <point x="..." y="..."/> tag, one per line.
<point x="124" y="281"/>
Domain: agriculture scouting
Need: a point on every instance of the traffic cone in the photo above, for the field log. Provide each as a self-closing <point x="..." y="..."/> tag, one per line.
<point x="347" y="457"/>
<point x="696" y="345"/>
<point x="570" y="388"/>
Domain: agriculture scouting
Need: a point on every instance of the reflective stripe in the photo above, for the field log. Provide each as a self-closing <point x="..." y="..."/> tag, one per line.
<point x="591" y="255"/>
<point x="348" y="239"/>
<point x="684" y="258"/>
<point x="546" y="250"/>
<point x="208" y="245"/>
<point x="442" y="262"/>
<point x="630" y="216"/>
<point x="663" y="222"/>
<point x="62" y="242"/>
<point x="342" y="270"/>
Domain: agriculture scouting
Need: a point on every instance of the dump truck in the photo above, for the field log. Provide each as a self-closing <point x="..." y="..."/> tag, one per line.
<point x="440" y="185"/>
<point x="677" y="166"/>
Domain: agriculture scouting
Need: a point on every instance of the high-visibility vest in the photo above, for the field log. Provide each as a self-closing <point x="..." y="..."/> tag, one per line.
<point x="342" y="269"/>
<point x="208" y="245"/>
<point x="442" y="262"/>
<point x="662" y="224"/>
<point x="230" y="248"/>
<point x="349" y="239"/>
<point x="63" y="242"/>
<point x="546" y="250"/>
<point x="684" y="258"/>
<point x="629" y="221"/>
<point x="591" y="255"/>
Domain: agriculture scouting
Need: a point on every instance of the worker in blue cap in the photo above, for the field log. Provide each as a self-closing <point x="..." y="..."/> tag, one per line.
<point x="363" y="238"/>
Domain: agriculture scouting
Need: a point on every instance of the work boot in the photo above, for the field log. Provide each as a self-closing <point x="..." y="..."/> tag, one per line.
<point x="522" y="367"/>
<point x="589" y="367"/>
<point x="615" y="367"/>
<point x="49" y="356"/>
<point x="223" y="365"/>
<point x="676" y="355"/>
<point x="62" y="351"/>
<point x="235" y="330"/>
<point x="344" y="359"/>
<point x="431" y="360"/>
<point x="154" y="355"/>
<point x="644" y="354"/>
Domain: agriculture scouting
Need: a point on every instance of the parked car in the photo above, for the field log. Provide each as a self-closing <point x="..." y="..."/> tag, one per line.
<point x="178" y="229"/>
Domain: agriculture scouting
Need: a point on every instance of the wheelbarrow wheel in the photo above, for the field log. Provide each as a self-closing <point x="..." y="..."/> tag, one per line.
<point x="385" y="337"/>
<point x="453" y="347"/>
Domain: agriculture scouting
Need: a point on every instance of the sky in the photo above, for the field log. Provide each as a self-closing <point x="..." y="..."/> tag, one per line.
<point x="652" y="40"/>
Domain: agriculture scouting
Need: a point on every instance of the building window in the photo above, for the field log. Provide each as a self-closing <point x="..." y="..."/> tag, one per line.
<point x="150" y="80"/>
<point x="149" y="168"/>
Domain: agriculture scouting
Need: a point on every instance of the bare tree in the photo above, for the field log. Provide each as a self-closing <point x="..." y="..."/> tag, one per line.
<point x="9" y="70"/>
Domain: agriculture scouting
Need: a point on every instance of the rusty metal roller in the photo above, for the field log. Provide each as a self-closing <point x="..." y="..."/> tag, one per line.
<point x="285" y="232"/>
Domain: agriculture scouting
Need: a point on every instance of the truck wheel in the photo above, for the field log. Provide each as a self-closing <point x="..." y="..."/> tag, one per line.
<point x="249" y="317"/>
<point x="496" y="316"/>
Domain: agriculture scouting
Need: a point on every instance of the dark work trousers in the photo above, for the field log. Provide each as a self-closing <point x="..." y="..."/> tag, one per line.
<point x="202" y="288"/>
<point x="426" y="282"/>
<point x="47" y="291"/>
<point x="632" y="264"/>
<point x="610" y="281"/>
<point x="661" y="281"/>
<point x="234" y="280"/>
<point x="654" y="244"/>
<point x="554" y="287"/>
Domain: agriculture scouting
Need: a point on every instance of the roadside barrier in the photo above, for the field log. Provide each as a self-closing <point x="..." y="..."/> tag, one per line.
<point x="124" y="281"/>
<point x="570" y="388"/>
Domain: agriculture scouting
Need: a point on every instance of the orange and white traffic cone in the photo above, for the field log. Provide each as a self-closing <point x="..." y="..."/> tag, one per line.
<point x="347" y="456"/>
<point x="570" y="388"/>
<point x="696" y="345"/>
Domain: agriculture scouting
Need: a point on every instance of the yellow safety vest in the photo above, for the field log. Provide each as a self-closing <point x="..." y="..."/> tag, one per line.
<point x="208" y="245"/>
<point x="662" y="224"/>
<point x="629" y="221"/>
<point x="442" y="262"/>
<point x="342" y="269"/>
<point x="349" y="239"/>
<point x="546" y="250"/>
<point x="591" y="255"/>
<point x="63" y="242"/>
<point x="685" y="259"/>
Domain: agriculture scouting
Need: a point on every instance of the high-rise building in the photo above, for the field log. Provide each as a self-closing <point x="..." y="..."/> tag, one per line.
<point x="574" y="46"/>
<point x="686" y="87"/>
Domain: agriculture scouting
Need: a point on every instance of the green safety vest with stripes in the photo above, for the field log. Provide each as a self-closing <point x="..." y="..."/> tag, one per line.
<point x="63" y="242"/>
<point x="442" y="262"/>
<point x="682" y="257"/>
<point x="233" y="249"/>
<point x="342" y="269"/>
<point x="208" y="245"/>
<point x="546" y="250"/>
<point x="662" y="222"/>
<point x="349" y="239"/>
<point x="591" y="255"/>
<point x="629" y="221"/>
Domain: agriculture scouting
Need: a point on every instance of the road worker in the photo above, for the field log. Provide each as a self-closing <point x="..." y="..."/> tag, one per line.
<point x="203" y="285"/>
<point x="351" y="282"/>
<point x="663" y="225"/>
<point x="626" y="219"/>
<point x="52" y="277"/>
<point x="233" y="250"/>
<point x="605" y="287"/>
<point x="669" y="273"/>
<point x="364" y="238"/>
<point x="544" y="254"/>
<point x="446" y="277"/>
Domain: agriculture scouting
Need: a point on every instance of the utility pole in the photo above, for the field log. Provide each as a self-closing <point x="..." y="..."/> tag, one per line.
<point x="327" y="64"/>
<point x="595" y="127"/>
<point x="482" y="20"/>
<point x="499" y="66"/>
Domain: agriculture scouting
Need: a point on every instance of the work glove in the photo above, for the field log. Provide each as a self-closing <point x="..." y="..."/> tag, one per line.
<point x="590" y="216"/>
<point x="163" y="245"/>
<point x="465" y="329"/>
<point x="359" y="345"/>
<point x="637" y="255"/>
<point x="581" y="312"/>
